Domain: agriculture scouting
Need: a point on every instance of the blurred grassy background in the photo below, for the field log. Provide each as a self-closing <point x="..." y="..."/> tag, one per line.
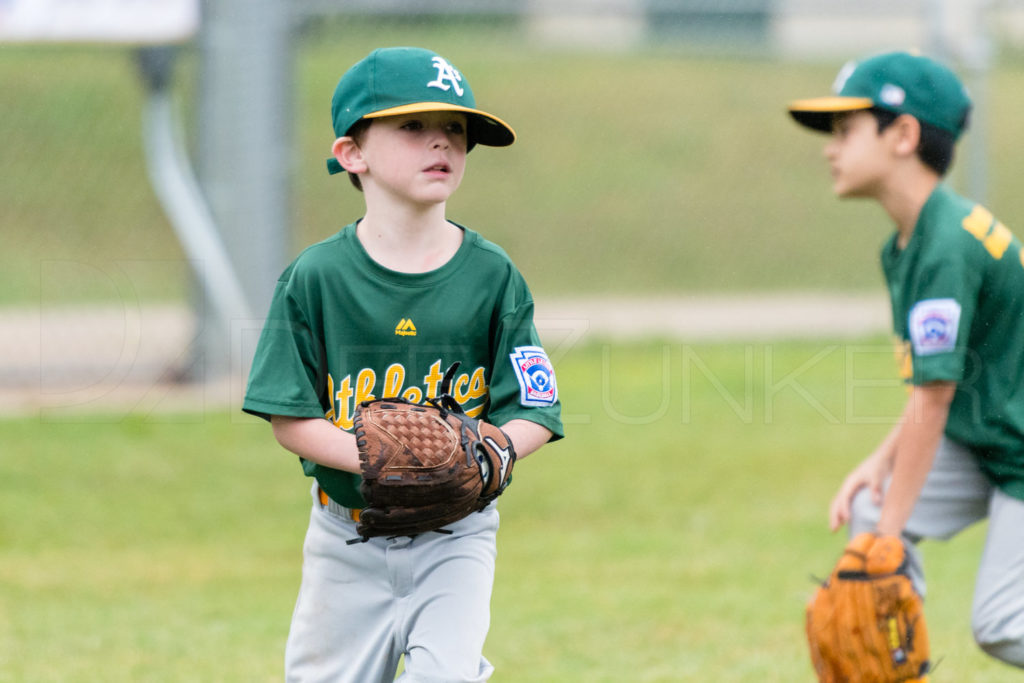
<point x="129" y="553"/>
<point x="670" y="537"/>
<point x="659" y="170"/>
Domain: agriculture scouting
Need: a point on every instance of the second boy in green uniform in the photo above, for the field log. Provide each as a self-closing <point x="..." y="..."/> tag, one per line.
<point x="956" y="281"/>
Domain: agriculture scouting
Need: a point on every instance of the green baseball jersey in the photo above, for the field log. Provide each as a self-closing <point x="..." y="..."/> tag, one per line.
<point x="344" y="329"/>
<point x="957" y="292"/>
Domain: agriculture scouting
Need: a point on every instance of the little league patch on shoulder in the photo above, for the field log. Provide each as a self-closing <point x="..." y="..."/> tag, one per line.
<point x="536" y="376"/>
<point x="933" y="326"/>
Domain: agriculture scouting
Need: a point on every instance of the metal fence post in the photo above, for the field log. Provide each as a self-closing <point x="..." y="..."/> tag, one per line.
<point x="244" y="154"/>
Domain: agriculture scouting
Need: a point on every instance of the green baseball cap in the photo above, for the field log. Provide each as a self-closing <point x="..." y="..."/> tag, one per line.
<point x="407" y="80"/>
<point x="900" y="82"/>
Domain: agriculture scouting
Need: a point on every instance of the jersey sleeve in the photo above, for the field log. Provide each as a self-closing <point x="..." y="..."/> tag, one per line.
<point x="939" y="318"/>
<point x="523" y="384"/>
<point x="289" y="366"/>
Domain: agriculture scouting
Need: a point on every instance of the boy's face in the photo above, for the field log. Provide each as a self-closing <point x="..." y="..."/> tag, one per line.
<point x="416" y="157"/>
<point x="858" y="155"/>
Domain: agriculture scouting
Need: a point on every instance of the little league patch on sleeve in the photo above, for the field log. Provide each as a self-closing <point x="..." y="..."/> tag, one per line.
<point x="933" y="326"/>
<point x="536" y="376"/>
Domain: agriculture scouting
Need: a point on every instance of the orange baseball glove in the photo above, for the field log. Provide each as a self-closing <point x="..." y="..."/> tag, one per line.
<point x="865" y="624"/>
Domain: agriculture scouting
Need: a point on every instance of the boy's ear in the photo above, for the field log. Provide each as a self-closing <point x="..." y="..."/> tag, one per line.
<point x="346" y="150"/>
<point x="908" y="134"/>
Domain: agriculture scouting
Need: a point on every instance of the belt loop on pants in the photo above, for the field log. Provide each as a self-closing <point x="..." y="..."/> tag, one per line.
<point x="325" y="501"/>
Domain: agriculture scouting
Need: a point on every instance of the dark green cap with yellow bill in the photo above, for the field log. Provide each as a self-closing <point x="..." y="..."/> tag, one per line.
<point x="408" y="80"/>
<point x="899" y="82"/>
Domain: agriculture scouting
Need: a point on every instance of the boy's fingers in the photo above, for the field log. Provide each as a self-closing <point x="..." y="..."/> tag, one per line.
<point x="839" y="511"/>
<point x="837" y="521"/>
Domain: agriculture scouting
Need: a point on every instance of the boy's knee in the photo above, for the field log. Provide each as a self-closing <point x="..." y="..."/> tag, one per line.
<point x="1000" y="636"/>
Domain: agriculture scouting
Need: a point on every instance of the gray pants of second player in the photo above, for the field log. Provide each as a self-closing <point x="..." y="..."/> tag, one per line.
<point x="955" y="496"/>
<point x="361" y="607"/>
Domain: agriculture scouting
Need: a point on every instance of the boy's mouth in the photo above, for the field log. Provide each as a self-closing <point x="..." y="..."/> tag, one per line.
<point x="438" y="168"/>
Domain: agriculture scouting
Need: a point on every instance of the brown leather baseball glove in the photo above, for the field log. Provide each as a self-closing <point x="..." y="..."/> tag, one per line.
<point x="865" y="624"/>
<point x="426" y="465"/>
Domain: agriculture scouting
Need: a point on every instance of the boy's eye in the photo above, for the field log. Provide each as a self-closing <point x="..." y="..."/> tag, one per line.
<point x="450" y="127"/>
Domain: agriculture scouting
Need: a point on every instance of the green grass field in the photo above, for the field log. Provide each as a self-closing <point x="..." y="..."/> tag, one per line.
<point x="670" y="537"/>
<point x="661" y="170"/>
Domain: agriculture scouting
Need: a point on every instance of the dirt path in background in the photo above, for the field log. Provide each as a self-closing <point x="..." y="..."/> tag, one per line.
<point x="56" y="362"/>
<point x="720" y="318"/>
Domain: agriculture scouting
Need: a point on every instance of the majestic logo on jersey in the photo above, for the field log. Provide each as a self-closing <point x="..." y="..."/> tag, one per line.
<point x="405" y="328"/>
<point x="447" y="77"/>
<point x="536" y="376"/>
<point x="933" y="326"/>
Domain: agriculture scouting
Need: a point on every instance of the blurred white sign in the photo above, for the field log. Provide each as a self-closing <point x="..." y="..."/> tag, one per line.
<point x="113" y="21"/>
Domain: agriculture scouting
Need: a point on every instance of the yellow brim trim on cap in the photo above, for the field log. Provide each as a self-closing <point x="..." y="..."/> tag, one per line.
<point x="832" y="104"/>
<point x="817" y="113"/>
<point x="420" y="107"/>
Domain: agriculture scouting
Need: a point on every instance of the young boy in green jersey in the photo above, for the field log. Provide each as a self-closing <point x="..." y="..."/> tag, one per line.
<point x="381" y="309"/>
<point x="956" y="281"/>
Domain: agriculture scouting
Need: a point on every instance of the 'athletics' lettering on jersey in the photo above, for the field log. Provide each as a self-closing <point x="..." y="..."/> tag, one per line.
<point x="349" y="391"/>
<point x="904" y="359"/>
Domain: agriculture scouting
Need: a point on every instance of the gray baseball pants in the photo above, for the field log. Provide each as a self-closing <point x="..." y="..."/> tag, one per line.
<point x="361" y="607"/>
<point x="955" y="496"/>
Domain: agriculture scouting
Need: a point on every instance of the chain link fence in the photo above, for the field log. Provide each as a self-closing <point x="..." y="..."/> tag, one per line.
<point x="659" y="103"/>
